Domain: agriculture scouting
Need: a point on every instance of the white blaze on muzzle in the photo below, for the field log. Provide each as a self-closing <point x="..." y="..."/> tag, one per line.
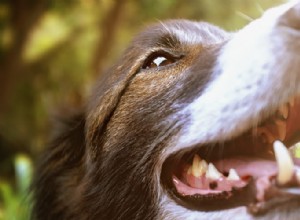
<point x="256" y="72"/>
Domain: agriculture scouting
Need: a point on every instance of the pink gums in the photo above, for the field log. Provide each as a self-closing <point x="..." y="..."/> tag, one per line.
<point x="259" y="169"/>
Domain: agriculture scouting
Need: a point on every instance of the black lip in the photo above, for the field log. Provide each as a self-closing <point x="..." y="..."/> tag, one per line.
<point x="284" y="202"/>
<point x="210" y="202"/>
<point x="226" y="200"/>
<point x="244" y="145"/>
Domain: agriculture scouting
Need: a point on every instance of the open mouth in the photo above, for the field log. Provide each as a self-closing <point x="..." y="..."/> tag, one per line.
<point x="253" y="170"/>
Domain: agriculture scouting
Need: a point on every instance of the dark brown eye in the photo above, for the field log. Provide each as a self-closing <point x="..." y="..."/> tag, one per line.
<point x="158" y="60"/>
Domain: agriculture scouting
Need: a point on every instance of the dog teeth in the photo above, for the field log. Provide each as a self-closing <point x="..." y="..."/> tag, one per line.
<point x="195" y="165"/>
<point x="203" y="166"/>
<point x="284" y="162"/>
<point x="284" y="111"/>
<point x="233" y="175"/>
<point x="199" y="166"/>
<point x="212" y="172"/>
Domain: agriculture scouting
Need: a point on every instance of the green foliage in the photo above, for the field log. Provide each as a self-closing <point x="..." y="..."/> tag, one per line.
<point x="60" y="48"/>
<point x="295" y="150"/>
<point x="14" y="200"/>
<point x="53" y="66"/>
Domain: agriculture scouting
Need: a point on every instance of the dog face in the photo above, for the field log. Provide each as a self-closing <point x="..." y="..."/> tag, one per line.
<point x="185" y="100"/>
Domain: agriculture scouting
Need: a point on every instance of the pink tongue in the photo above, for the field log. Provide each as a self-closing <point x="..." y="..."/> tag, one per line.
<point x="259" y="169"/>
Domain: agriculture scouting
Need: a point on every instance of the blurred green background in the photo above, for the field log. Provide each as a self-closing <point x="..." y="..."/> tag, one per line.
<point x="51" y="52"/>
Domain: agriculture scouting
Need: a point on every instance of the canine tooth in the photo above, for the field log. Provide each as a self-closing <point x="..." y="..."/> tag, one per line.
<point x="284" y="162"/>
<point x="284" y="111"/>
<point x="212" y="172"/>
<point x="199" y="166"/>
<point x="195" y="170"/>
<point x="203" y="166"/>
<point x="233" y="175"/>
<point x="281" y="128"/>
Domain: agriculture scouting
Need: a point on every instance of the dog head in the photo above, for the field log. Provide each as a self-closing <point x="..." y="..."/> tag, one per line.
<point x="185" y="100"/>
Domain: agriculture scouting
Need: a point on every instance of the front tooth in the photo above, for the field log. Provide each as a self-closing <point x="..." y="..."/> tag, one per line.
<point x="284" y="111"/>
<point x="284" y="162"/>
<point x="212" y="172"/>
<point x="233" y="175"/>
<point x="281" y="128"/>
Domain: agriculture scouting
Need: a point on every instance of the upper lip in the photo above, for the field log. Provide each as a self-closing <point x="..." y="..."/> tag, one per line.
<point x="256" y="142"/>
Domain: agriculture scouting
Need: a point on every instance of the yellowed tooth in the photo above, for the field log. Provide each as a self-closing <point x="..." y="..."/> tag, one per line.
<point x="281" y="128"/>
<point x="203" y="167"/>
<point x="199" y="166"/>
<point x="284" y="111"/>
<point x="233" y="175"/>
<point x="284" y="162"/>
<point x="212" y="172"/>
<point x="195" y="167"/>
<point x="292" y="102"/>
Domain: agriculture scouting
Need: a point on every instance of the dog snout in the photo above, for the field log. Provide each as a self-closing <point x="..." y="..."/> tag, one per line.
<point x="291" y="18"/>
<point x="288" y="15"/>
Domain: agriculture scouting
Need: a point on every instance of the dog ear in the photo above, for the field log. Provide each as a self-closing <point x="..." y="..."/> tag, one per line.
<point x="59" y="171"/>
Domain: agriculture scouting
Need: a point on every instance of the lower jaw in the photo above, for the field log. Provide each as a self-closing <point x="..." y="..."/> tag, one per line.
<point x="256" y="198"/>
<point x="247" y="194"/>
<point x="206" y="200"/>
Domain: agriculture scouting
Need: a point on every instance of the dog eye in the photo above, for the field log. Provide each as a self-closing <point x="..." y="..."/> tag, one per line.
<point x="158" y="60"/>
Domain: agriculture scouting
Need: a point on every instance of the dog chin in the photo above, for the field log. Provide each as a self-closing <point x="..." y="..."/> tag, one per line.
<point x="172" y="211"/>
<point x="276" y="31"/>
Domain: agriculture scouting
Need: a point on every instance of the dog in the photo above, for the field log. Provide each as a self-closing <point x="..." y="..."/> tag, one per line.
<point x="191" y="123"/>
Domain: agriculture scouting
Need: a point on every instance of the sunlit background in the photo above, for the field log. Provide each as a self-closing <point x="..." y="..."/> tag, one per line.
<point x="51" y="52"/>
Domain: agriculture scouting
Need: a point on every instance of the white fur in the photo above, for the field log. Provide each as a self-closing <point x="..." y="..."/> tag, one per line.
<point x="172" y="211"/>
<point x="261" y="65"/>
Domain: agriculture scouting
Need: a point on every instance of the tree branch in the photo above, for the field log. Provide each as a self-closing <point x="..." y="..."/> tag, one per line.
<point x="24" y="14"/>
<point x="108" y="29"/>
